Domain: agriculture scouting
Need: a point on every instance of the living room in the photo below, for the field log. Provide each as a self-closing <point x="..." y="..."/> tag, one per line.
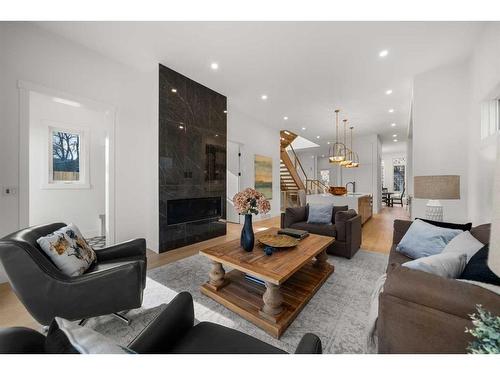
<point x="258" y="187"/>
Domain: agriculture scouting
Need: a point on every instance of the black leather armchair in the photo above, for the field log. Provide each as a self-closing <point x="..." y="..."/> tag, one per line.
<point x="114" y="283"/>
<point x="172" y="332"/>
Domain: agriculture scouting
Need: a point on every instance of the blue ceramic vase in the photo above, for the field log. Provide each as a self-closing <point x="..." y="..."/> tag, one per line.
<point x="247" y="238"/>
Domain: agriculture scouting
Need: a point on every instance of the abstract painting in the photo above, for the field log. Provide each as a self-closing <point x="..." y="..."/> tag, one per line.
<point x="264" y="175"/>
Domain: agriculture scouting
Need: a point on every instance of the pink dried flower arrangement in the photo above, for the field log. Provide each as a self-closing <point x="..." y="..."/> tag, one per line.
<point x="250" y="201"/>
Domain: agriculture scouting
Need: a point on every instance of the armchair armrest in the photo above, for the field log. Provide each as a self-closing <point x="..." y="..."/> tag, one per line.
<point x="132" y="248"/>
<point x="162" y="333"/>
<point x="448" y="295"/>
<point x="348" y="225"/>
<point x="309" y="344"/>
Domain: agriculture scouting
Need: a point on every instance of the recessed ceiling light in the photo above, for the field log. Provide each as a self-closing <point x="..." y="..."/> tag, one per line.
<point x="303" y="128"/>
<point x="322" y="156"/>
<point x="317" y="136"/>
<point x="214" y="66"/>
<point x="181" y="127"/>
<point x="388" y="92"/>
<point x="393" y="124"/>
<point x="391" y="110"/>
<point x="263" y="97"/>
<point x="67" y="102"/>
<point x="383" y="53"/>
<point x="394" y="140"/>
<point x="328" y="143"/>
<point x="174" y="90"/>
<point x="285" y="118"/>
<point x="394" y="135"/>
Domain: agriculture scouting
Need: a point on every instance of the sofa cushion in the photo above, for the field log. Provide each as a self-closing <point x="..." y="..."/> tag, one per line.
<point x="320" y="214"/>
<point x="477" y="269"/>
<point x="294" y="215"/>
<point x="395" y="257"/>
<point x="423" y="239"/>
<point x="321" y="229"/>
<point x="449" y="265"/>
<point x="443" y="224"/>
<point x="482" y="233"/>
<point x="210" y="338"/>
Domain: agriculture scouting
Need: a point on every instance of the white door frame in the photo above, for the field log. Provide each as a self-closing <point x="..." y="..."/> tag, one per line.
<point x="24" y="168"/>
<point x="239" y="176"/>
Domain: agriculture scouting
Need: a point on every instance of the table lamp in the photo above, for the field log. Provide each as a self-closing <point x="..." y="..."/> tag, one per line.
<point x="435" y="188"/>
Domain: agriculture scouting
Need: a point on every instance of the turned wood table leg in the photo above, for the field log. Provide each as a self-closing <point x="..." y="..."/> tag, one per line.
<point x="216" y="275"/>
<point x="273" y="300"/>
<point x="321" y="259"/>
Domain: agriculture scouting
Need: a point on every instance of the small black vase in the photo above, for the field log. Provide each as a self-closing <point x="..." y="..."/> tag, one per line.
<point x="247" y="238"/>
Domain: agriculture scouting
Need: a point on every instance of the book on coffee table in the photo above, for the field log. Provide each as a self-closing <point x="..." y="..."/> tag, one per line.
<point x="296" y="233"/>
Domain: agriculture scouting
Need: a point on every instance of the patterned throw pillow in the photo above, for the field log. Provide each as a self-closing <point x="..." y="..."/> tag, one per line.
<point x="69" y="251"/>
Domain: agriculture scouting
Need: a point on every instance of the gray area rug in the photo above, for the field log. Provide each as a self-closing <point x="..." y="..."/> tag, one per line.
<point x="337" y="313"/>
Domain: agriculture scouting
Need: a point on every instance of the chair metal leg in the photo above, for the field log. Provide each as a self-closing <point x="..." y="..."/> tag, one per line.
<point x="123" y="318"/>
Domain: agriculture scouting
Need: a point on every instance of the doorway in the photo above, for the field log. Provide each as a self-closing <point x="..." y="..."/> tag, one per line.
<point x="67" y="163"/>
<point x="233" y="179"/>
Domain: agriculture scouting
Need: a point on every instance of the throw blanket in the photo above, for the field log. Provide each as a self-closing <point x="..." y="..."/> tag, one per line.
<point x="371" y="334"/>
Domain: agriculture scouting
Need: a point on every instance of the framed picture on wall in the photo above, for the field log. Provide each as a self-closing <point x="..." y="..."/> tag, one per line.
<point x="264" y="175"/>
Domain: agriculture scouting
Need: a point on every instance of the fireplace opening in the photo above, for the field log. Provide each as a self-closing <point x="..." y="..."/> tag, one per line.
<point x="188" y="210"/>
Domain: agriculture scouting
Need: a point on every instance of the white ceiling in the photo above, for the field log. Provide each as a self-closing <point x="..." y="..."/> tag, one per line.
<point x="307" y="69"/>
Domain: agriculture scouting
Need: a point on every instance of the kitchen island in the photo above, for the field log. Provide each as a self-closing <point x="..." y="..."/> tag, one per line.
<point x="361" y="202"/>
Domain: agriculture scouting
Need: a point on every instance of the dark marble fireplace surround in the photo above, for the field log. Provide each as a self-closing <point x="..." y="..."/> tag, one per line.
<point x="192" y="161"/>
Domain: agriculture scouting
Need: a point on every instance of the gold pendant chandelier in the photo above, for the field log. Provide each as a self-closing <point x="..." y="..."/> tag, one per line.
<point x="348" y="152"/>
<point x="337" y="151"/>
<point x="352" y="156"/>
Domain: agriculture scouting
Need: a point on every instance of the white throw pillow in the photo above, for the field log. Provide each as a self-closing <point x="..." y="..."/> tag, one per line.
<point x="69" y="251"/>
<point x="449" y="265"/>
<point x="464" y="243"/>
<point x="88" y="341"/>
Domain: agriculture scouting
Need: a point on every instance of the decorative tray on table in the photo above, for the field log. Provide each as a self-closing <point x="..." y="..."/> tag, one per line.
<point x="278" y="240"/>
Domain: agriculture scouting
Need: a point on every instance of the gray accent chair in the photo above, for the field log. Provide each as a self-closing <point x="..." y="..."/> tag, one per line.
<point x="114" y="283"/>
<point x="345" y="227"/>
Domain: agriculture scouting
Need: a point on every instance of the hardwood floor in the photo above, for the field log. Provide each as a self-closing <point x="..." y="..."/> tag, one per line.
<point x="377" y="236"/>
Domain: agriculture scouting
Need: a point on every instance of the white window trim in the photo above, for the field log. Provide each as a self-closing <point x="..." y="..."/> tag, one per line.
<point x="84" y="181"/>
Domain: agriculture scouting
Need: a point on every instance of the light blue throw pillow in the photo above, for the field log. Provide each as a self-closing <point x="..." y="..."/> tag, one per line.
<point x="320" y="214"/>
<point x="423" y="239"/>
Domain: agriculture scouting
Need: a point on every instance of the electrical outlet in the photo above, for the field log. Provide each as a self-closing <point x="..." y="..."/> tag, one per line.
<point x="9" y="191"/>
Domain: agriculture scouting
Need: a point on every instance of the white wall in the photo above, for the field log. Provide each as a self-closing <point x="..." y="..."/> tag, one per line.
<point x="79" y="206"/>
<point x="440" y="132"/>
<point x="33" y="55"/>
<point x="485" y="85"/>
<point x="255" y="138"/>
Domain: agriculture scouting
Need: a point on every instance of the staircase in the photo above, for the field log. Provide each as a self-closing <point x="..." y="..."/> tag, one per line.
<point x="293" y="178"/>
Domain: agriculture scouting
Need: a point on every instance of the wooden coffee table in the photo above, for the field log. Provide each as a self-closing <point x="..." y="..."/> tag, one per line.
<point x="292" y="276"/>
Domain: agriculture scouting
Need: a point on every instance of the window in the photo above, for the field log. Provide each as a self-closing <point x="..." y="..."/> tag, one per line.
<point x="490" y="118"/>
<point x="65" y="156"/>
<point x="325" y="176"/>
<point x="67" y="164"/>
<point x="398" y="165"/>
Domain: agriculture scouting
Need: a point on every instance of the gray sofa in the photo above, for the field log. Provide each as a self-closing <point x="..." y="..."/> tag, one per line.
<point x="424" y="313"/>
<point x="345" y="227"/>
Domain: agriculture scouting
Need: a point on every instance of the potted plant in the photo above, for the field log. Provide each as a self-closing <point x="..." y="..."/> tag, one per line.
<point x="250" y="202"/>
<point x="486" y="332"/>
